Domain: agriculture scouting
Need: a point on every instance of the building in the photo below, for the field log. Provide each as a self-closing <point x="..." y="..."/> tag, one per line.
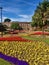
<point x="24" y="25"/>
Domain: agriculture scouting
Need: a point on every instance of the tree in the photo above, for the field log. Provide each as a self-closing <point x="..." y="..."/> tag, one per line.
<point x="15" y="26"/>
<point x="43" y="10"/>
<point x="2" y="29"/>
<point x="41" y="13"/>
<point x="47" y="23"/>
<point x="7" y="20"/>
<point x="34" y="24"/>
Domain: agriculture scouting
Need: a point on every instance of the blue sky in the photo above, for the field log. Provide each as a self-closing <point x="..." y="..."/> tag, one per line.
<point x="19" y="10"/>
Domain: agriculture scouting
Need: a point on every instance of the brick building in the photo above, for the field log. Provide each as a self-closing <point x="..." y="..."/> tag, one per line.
<point x="24" y="25"/>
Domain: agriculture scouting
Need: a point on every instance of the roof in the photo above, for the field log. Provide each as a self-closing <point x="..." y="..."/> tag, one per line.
<point x="17" y="22"/>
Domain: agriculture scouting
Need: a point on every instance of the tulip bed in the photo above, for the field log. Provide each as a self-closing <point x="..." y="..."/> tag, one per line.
<point x="13" y="38"/>
<point x="39" y="33"/>
<point x="34" y="52"/>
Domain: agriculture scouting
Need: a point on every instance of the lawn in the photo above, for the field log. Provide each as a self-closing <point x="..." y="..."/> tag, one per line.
<point x="36" y="38"/>
<point x="3" y="62"/>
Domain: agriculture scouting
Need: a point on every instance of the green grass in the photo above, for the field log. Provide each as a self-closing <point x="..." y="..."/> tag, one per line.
<point x="36" y="38"/>
<point x="3" y="62"/>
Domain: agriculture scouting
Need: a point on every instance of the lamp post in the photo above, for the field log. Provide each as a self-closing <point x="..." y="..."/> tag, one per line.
<point x="1" y="13"/>
<point x="1" y="19"/>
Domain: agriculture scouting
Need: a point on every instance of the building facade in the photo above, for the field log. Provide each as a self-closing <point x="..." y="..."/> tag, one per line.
<point x="24" y="25"/>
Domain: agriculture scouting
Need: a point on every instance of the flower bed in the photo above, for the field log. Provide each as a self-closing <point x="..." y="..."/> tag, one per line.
<point x="13" y="60"/>
<point x="39" y="33"/>
<point x="35" y="53"/>
<point x="13" y="38"/>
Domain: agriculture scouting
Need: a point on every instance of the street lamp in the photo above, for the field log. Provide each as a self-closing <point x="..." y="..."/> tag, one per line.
<point x="1" y="19"/>
<point x="1" y="13"/>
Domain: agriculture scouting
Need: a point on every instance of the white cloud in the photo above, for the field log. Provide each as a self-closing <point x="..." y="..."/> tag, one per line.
<point x="29" y="3"/>
<point x="3" y="18"/>
<point x="23" y="18"/>
<point x="15" y="1"/>
<point x="12" y="10"/>
<point x="0" y="20"/>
